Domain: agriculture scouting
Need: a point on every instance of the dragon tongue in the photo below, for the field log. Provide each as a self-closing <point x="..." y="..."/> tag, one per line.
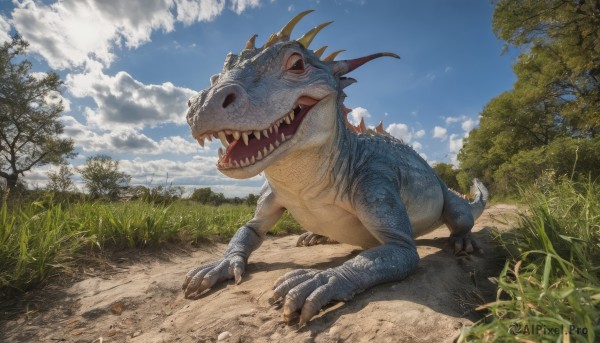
<point x="227" y="156"/>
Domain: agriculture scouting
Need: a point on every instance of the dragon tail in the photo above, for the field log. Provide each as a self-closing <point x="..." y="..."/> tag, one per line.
<point x="481" y="197"/>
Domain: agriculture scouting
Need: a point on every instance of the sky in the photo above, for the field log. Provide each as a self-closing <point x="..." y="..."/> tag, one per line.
<point x="130" y="66"/>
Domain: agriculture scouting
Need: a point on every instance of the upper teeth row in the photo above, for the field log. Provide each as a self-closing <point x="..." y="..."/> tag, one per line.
<point x="221" y="135"/>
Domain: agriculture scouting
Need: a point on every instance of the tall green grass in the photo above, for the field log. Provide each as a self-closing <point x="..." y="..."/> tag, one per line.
<point x="549" y="290"/>
<point x="41" y="239"/>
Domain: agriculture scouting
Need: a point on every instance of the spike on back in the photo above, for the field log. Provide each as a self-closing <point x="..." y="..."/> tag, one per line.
<point x="308" y="37"/>
<point x="332" y="55"/>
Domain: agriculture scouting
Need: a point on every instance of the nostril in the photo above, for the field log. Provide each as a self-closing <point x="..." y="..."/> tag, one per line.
<point x="228" y="100"/>
<point x="189" y="103"/>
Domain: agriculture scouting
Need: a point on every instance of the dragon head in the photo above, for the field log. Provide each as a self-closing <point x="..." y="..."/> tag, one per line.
<point x="271" y="101"/>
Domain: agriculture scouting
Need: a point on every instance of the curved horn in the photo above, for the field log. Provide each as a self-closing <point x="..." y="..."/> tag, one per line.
<point x="310" y="35"/>
<point x="346" y="66"/>
<point x="272" y="40"/>
<point x="320" y="51"/>
<point x="250" y="43"/>
<point x="332" y="56"/>
<point x="286" y="31"/>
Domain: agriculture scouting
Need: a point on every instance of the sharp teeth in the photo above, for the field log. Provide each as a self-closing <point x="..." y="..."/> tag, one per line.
<point x="236" y="135"/>
<point x="282" y="137"/>
<point x="257" y="134"/>
<point x="265" y="151"/>
<point x="271" y="129"/>
<point x="277" y="128"/>
<point x="287" y="120"/>
<point x="200" y="141"/>
<point x="243" y="164"/>
<point x="271" y="147"/>
<point x="259" y="156"/>
<point x="247" y="161"/>
<point x="266" y="133"/>
<point x="223" y="139"/>
<point x="209" y="137"/>
<point x="245" y="138"/>
<point x="276" y="144"/>
<point x="252" y="160"/>
<point x="236" y="164"/>
<point x="220" y="151"/>
<point x="292" y="115"/>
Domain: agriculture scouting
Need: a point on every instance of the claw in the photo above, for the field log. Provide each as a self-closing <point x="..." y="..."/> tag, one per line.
<point x="237" y="272"/>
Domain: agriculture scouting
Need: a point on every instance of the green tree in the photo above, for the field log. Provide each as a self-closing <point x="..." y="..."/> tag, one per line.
<point x="448" y="174"/>
<point x="60" y="181"/>
<point x="553" y="111"/>
<point x="102" y="177"/>
<point x="207" y="196"/>
<point x="30" y="109"/>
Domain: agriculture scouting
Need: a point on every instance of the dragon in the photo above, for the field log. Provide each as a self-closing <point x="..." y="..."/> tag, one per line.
<point x="278" y="110"/>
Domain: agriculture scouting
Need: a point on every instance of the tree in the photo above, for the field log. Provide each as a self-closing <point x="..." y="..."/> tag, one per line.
<point x="448" y="173"/>
<point x="60" y="181"/>
<point x="30" y="108"/>
<point x="207" y="196"/>
<point x="102" y="177"/>
<point x="553" y="111"/>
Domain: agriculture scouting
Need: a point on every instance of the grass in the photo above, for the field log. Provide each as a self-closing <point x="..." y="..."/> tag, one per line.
<point x="42" y="239"/>
<point x="549" y="290"/>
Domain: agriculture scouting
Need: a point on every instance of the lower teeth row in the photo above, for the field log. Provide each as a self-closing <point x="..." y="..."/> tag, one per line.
<point x="259" y="156"/>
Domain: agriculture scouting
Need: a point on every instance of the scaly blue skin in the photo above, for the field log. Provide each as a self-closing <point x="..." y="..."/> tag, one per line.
<point x="369" y="190"/>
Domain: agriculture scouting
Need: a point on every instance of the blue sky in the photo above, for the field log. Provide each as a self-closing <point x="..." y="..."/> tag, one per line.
<point x="129" y="67"/>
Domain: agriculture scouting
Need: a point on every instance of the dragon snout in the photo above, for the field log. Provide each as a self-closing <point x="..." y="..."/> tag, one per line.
<point x="229" y="98"/>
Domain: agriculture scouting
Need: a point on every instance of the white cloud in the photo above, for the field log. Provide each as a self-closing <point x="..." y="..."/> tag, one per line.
<point x="125" y="140"/>
<point x="190" y="11"/>
<point x="416" y="145"/>
<point x="455" y="119"/>
<point x="4" y="29"/>
<point x="239" y="6"/>
<point x="400" y="131"/>
<point x="469" y="124"/>
<point x="420" y="133"/>
<point x="358" y="113"/>
<point x="431" y="76"/>
<point x="448" y="69"/>
<point x="69" y="33"/>
<point x="455" y="143"/>
<point x="439" y="132"/>
<point x="124" y="101"/>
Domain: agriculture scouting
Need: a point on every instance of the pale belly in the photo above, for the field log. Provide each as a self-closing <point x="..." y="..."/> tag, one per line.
<point x="339" y="223"/>
<point x="334" y="222"/>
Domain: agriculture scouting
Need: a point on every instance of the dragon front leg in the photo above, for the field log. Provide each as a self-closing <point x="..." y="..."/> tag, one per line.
<point x="308" y="290"/>
<point x="247" y="239"/>
<point x="308" y="239"/>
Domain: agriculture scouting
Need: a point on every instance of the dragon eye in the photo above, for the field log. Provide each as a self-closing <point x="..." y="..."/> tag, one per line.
<point x="295" y="64"/>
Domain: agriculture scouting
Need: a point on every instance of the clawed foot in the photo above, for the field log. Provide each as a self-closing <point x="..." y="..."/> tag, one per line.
<point x="309" y="239"/>
<point x="307" y="291"/>
<point x="464" y="245"/>
<point x="204" y="277"/>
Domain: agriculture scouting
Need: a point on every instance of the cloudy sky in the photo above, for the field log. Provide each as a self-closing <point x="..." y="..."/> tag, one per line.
<point x="130" y="66"/>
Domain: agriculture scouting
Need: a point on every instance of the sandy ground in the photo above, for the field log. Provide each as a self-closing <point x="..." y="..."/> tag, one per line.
<point x="142" y="301"/>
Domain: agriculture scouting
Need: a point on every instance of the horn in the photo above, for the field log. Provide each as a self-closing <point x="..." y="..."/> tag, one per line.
<point x="332" y="56"/>
<point x="310" y="35"/>
<point x="346" y="66"/>
<point x="286" y="31"/>
<point x="379" y="128"/>
<point x="320" y="51"/>
<point x="272" y="40"/>
<point x="250" y="43"/>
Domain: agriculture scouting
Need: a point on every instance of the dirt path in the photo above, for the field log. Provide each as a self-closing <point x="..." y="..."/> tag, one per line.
<point x="144" y="303"/>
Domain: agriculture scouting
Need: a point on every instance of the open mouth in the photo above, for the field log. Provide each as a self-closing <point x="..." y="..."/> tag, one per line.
<point x="244" y="148"/>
